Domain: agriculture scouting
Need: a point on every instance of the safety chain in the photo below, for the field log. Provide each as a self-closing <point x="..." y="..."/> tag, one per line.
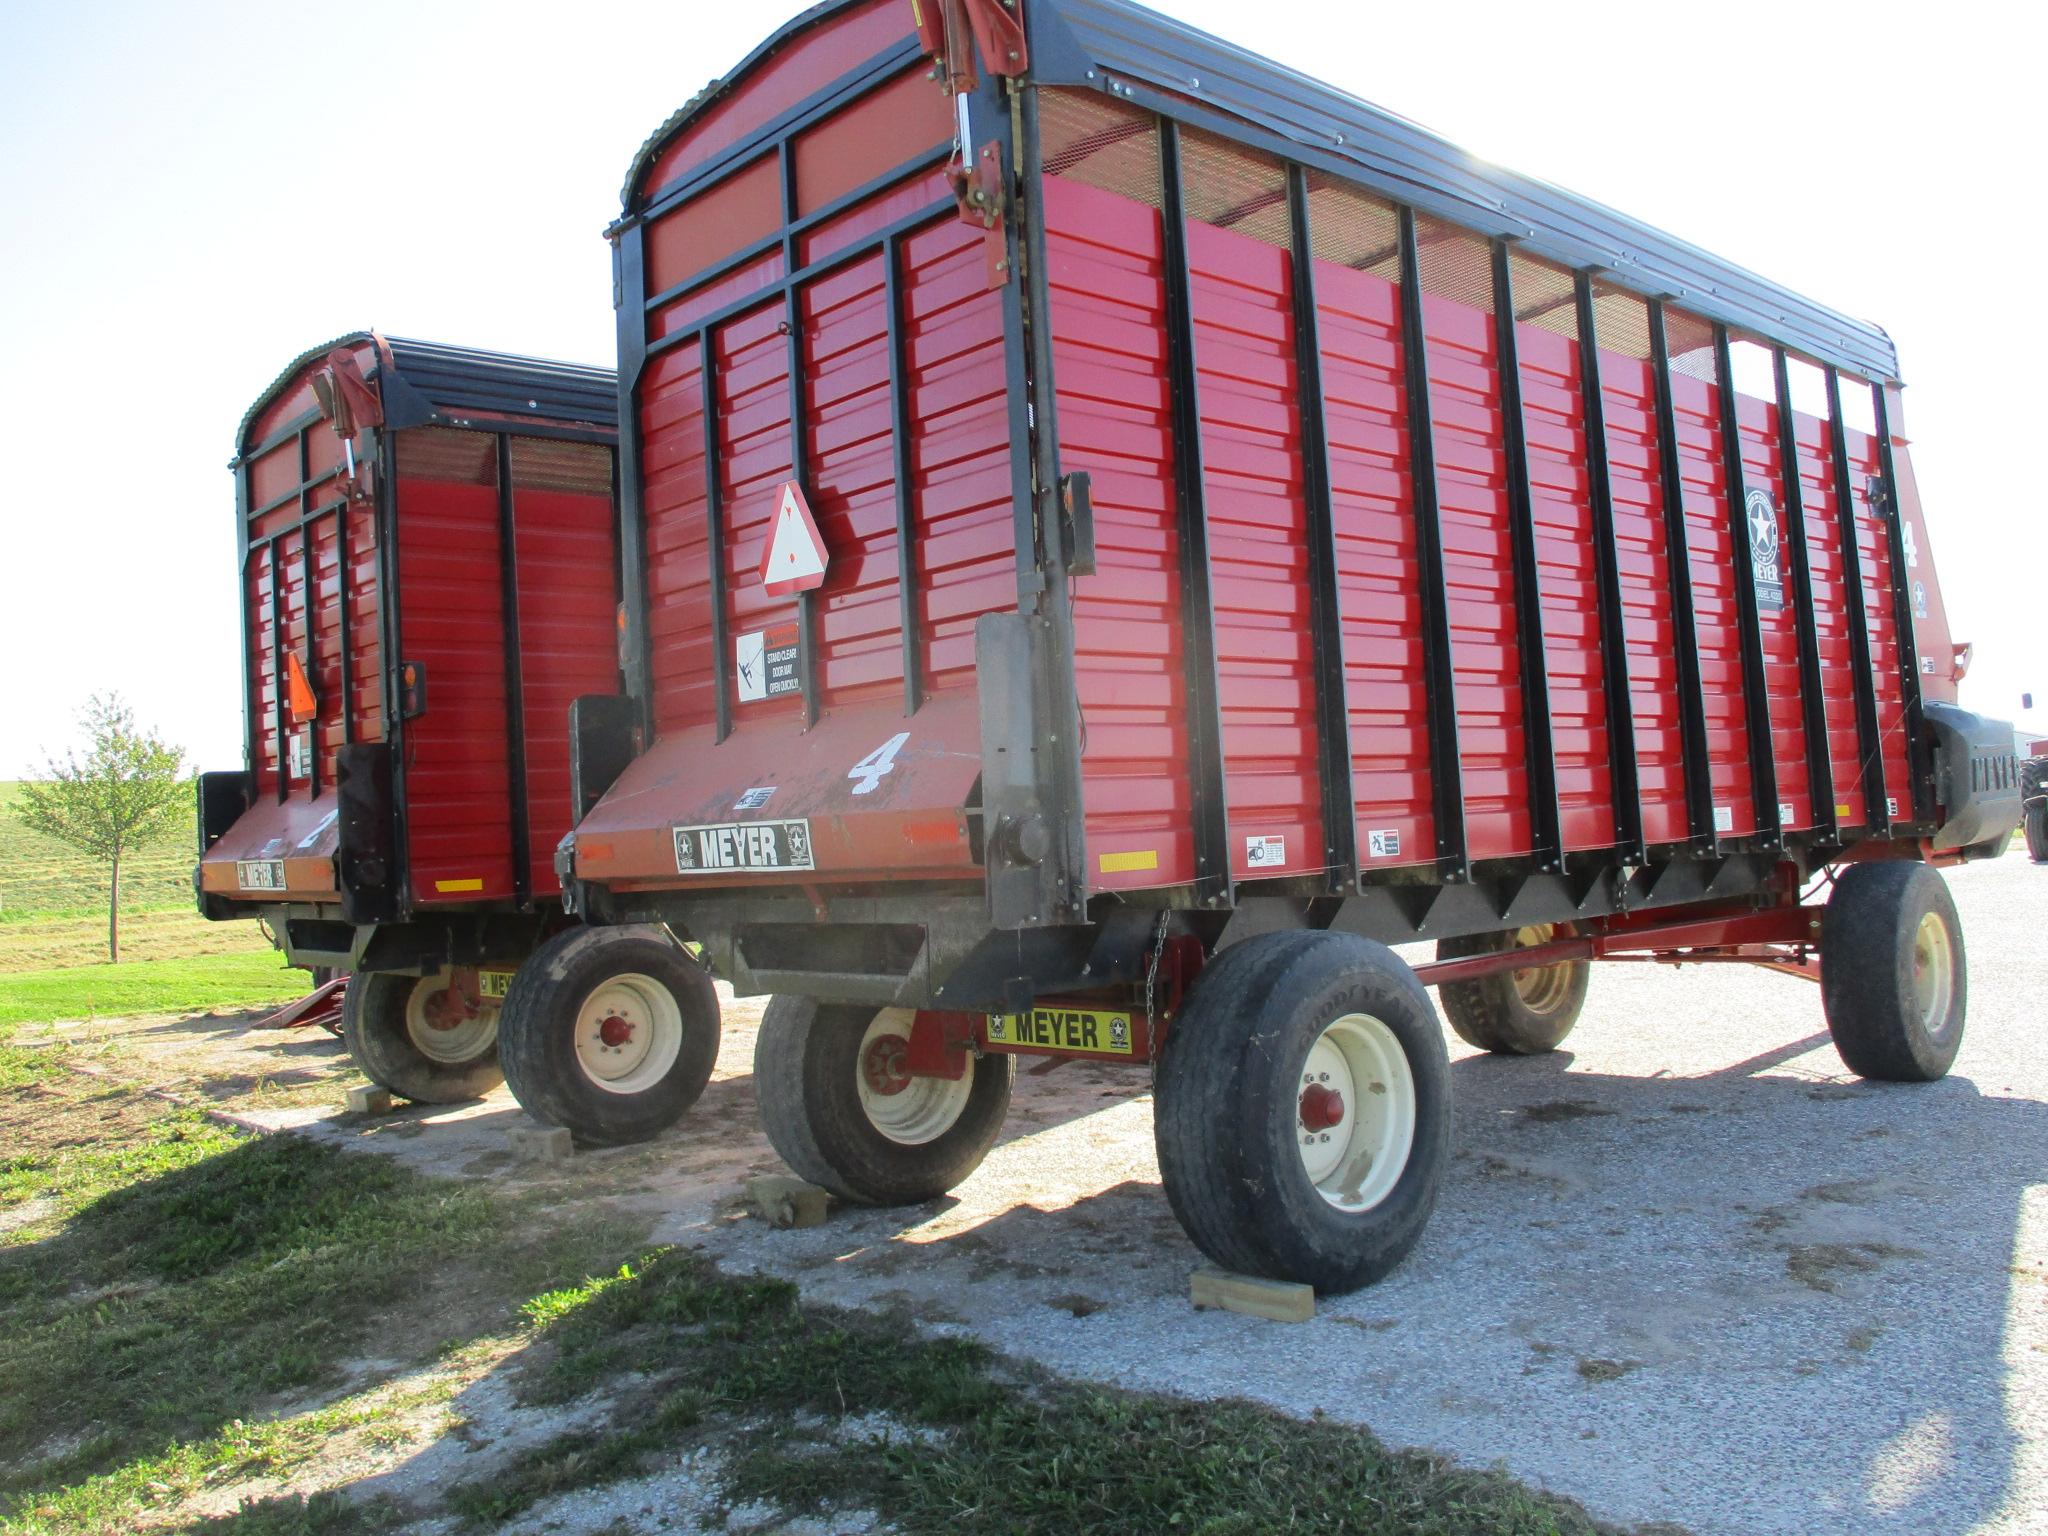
<point x="1151" y="987"/>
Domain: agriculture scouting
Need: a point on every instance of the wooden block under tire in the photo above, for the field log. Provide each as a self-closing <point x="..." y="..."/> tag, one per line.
<point x="369" y="1099"/>
<point x="1279" y="1301"/>
<point x="542" y="1143"/>
<point x="782" y="1201"/>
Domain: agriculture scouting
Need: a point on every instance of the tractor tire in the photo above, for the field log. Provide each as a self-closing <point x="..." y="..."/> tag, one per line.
<point x="1309" y="1112"/>
<point x="1514" y="1013"/>
<point x="611" y="1032"/>
<point x="405" y="1033"/>
<point x="1893" y="976"/>
<point x="2034" y="792"/>
<point x="842" y="1119"/>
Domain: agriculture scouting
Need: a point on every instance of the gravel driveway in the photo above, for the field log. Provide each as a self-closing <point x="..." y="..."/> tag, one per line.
<point x="1686" y="1269"/>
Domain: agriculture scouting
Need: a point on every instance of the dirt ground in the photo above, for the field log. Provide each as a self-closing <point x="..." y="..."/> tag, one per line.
<point x="1686" y="1269"/>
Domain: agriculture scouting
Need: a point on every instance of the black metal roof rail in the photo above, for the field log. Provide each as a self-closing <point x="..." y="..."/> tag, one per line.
<point x="1142" y="56"/>
<point x="441" y="384"/>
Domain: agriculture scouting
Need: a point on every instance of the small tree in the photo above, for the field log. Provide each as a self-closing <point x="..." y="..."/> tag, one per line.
<point x="125" y="792"/>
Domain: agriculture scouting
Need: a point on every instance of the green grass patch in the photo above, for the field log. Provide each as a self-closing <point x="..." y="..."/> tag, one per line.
<point x="989" y="1449"/>
<point x="149" y="986"/>
<point x="182" y="1278"/>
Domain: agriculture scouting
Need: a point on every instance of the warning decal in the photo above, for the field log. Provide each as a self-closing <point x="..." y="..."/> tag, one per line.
<point x="764" y="664"/>
<point x="794" y="560"/>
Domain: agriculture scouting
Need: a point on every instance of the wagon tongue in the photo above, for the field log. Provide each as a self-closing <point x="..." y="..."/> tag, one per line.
<point x="864" y="793"/>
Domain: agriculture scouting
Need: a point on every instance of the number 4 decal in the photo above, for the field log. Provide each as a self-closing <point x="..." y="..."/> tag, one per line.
<point x="870" y="769"/>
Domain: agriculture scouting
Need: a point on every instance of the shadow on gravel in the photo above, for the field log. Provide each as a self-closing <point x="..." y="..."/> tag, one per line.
<point x="1809" y="1284"/>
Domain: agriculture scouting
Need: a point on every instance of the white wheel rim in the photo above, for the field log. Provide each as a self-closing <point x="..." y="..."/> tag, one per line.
<point x="629" y="1032"/>
<point x="448" y="1041"/>
<point x="1933" y="972"/>
<point x="1355" y="1112"/>
<point x="1542" y="988"/>
<point x="910" y="1111"/>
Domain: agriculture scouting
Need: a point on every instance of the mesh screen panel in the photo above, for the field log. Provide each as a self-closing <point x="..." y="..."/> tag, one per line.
<point x="1543" y="294"/>
<point x="1234" y="188"/>
<point x="441" y="453"/>
<point x="1454" y="264"/>
<point x="1086" y="137"/>
<point x="1692" y="344"/>
<point x="1621" y="321"/>
<point x="579" y="469"/>
<point x="1353" y="229"/>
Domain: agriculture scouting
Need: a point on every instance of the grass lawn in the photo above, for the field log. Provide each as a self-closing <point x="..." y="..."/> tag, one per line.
<point x="204" y="1331"/>
<point x="149" y="986"/>
<point x="41" y="877"/>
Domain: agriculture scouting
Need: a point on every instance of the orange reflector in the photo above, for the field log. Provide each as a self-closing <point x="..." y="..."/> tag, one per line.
<point x="298" y="693"/>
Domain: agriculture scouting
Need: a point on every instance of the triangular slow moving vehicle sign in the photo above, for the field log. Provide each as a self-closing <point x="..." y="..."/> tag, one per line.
<point x="794" y="560"/>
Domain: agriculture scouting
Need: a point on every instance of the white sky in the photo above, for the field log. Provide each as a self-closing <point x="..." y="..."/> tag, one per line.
<point x="192" y="194"/>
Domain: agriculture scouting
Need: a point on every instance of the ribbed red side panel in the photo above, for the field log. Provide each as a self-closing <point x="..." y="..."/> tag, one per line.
<point x="567" y="548"/>
<point x="324" y="662"/>
<point x="1831" y="614"/>
<point x="260" y="593"/>
<point x="1697" y="406"/>
<point x="366" y="639"/>
<point x="1627" y="389"/>
<point x="1104" y="267"/>
<point x="1242" y="301"/>
<point x="1763" y="469"/>
<point x="1554" y="416"/>
<point x="1366" y="410"/>
<point x="452" y="625"/>
<point x="963" y="553"/>
<point x="1464" y="408"/>
<point x="965" y="549"/>
<point x="1864" y="466"/>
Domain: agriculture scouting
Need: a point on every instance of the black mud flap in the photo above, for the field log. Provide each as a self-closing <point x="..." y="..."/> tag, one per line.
<point x="367" y="829"/>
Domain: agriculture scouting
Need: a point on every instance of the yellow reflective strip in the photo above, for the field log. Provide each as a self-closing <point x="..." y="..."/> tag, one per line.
<point x="448" y="887"/>
<point x="1117" y="863"/>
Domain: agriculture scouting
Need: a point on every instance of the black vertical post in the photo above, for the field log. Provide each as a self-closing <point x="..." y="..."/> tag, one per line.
<point x="1756" y="698"/>
<point x="272" y="554"/>
<point x="1539" y="744"/>
<point x="1820" y="768"/>
<point x="1614" y="667"/>
<point x="1685" y="636"/>
<point x="636" y="643"/>
<point x="901" y="462"/>
<point x="1206" y="779"/>
<point x="799" y="441"/>
<point x="308" y="578"/>
<point x="1326" y="617"/>
<point x="714" y="532"/>
<point x="1869" y="730"/>
<point x="1446" y="760"/>
<point x="1047" y="581"/>
<point x="515" y="690"/>
<point x="341" y="587"/>
<point x="1921" y="787"/>
<point x="252" y="726"/>
<point x="393" y="627"/>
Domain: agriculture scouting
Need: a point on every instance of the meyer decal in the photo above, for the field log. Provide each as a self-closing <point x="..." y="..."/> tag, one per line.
<point x="1762" y="517"/>
<point x="738" y="847"/>
<point x="1063" y="1029"/>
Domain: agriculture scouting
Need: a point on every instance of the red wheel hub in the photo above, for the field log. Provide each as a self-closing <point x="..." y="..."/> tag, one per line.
<point x="883" y="1064"/>
<point x="1321" y="1107"/>
<point x="615" y="1031"/>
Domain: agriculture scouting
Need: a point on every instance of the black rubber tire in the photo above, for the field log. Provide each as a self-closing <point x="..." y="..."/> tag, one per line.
<point x="806" y="1079"/>
<point x="1867" y="940"/>
<point x="1230" y="1107"/>
<point x="1198" y="1070"/>
<point x="1491" y="1014"/>
<point x="2034" y="791"/>
<point x="373" y="1026"/>
<point x="537" y="1034"/>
